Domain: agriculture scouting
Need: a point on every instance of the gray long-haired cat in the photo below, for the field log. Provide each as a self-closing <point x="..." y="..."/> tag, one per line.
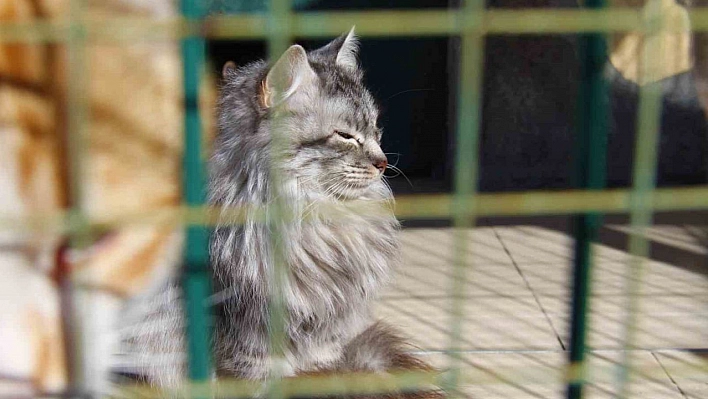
<point x="336" y="262"/>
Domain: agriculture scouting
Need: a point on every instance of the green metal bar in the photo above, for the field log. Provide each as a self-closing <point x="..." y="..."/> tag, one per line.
<point x="329" y="385"/>
<point x="644" y="181"/>
<point x="420" y="207"/>
<point x="326" y="24"/>
<point x="77" y="114"/>
<point x="591" y="143"/>
<point x="279" y="37"/>
<point x="196" y="276"/>
<point x="466" y="170"/>
<point x="372" y="383"/>
<point x="76" y="119"/>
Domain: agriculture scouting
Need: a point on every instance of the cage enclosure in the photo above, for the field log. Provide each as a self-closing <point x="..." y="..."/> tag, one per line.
<point x="547" y="162"/>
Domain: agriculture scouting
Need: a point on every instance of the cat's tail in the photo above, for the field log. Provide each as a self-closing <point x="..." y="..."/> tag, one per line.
<point x="380" y="348"/>
<point x="152" y="345"/>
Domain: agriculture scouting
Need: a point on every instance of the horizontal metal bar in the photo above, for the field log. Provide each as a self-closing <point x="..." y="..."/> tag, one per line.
<point x="327" y="24"/>
<point x="433" y="206"/>
<point x="551" y="202"/>
<point x="338" y="384"/>
<point x="303" y="386"/>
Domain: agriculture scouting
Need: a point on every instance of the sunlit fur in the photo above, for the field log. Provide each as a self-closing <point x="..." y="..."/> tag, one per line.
<point x="335" y="263"/>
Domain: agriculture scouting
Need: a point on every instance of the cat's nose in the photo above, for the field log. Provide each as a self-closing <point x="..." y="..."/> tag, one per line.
<point x="380" y="164"/>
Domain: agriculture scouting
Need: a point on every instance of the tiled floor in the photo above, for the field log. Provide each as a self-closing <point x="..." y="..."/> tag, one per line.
<point x="515" y="306"/>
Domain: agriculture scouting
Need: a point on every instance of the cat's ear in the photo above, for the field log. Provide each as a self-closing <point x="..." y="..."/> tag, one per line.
<point x="342" y="50"/>
<point x="291" y="72"/>
<point x="228" y="69"/>
<point x="346" y="56"/>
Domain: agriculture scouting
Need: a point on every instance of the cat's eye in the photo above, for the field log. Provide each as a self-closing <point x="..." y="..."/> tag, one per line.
<point x="344" y="135"/>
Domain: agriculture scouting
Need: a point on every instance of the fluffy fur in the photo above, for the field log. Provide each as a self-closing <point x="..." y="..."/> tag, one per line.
<point x="335" y="265"/>
<point x="335" y="262"/>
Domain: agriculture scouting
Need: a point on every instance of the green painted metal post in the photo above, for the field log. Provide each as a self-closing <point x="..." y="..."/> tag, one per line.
<point x="79" y="341"/>
<point x="591" y="148"/>
<point x="643" y="182"/>
<point x="196" y="258"/>
<point x="466" y="170"/>
<point x="279" y="36"/>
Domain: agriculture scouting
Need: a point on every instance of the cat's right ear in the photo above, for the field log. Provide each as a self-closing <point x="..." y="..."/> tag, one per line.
<point x="229" y="68"/>
<point x="289" y="74"/>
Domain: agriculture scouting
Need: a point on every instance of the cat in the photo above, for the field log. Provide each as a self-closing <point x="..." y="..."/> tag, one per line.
<point x="336" y="262"/>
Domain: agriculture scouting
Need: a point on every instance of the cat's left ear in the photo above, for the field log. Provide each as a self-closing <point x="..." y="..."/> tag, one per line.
<point x="346" y="56"/>
<point x="342" y="50"/>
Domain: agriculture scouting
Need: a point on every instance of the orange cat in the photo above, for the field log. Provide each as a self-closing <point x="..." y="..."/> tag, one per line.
<point x="133" y="164"/>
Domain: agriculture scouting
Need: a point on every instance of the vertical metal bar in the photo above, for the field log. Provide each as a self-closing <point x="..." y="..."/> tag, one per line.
<point x="79" y="236"/>
<point x="466" y="170"/>
<point x="643" y="179"/>
<point x="279" y="28"/>
<point x="196" y="276"/>
<point x="279" y="37"/>
<point x="590" y="155"/>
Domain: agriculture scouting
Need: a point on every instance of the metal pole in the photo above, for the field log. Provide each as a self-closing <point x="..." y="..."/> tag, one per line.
<point x="197" y="284"/>
<point x="279" y="37"/>
<point x="469" y="101"/>
<point x="643" y="180"/>
<point x="591" y="149"/>
<point x="77" y="310"/>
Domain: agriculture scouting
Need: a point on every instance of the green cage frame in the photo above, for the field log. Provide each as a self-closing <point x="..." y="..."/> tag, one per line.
<point x="471" y="22"/>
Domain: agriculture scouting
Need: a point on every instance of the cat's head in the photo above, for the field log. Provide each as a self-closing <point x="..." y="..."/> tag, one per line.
<point x="327" y="118"/>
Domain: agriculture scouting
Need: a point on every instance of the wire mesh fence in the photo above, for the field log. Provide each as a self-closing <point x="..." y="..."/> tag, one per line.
<point x="442" y="293"/>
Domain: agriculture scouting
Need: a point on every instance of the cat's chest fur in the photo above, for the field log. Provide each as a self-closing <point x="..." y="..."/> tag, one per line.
<point x="339" y="262"/>
<point x="333" y="267"/>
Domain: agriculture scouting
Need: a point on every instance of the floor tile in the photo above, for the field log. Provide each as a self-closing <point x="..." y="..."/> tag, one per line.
<point x="514" y="375"/>
<point x="648" y="380"/>
<point x="436" y="279"/>
<point x="689" y="370"/>
<point x="535" y="244"/>
<point x="429" y="265"/>
<point x="516" y="309"/>
<point x="661" y="322"/>
<point x="481" y="245"/>
<point x="541" y="375"/>
<point x="487" y="322"/>
<point x="688" y="238"/>
<point x="612" y="278"/>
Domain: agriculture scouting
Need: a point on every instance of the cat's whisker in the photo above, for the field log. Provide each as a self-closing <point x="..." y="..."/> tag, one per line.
<point x="388" y="185"/>
<point x="398" y="157"/>
<point x="391" y="177"/>
<point x="306" y="179"/>
<point x="348" y="188"/>
<point x="345" y="188"/>
<point x="310" y="208"/>
<point x="329" y="189"/>
<point x="340" y="179"/>
<point x="337" y="187"/>
<point x="400" y="172"/>
<point x="408" y="91"/>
